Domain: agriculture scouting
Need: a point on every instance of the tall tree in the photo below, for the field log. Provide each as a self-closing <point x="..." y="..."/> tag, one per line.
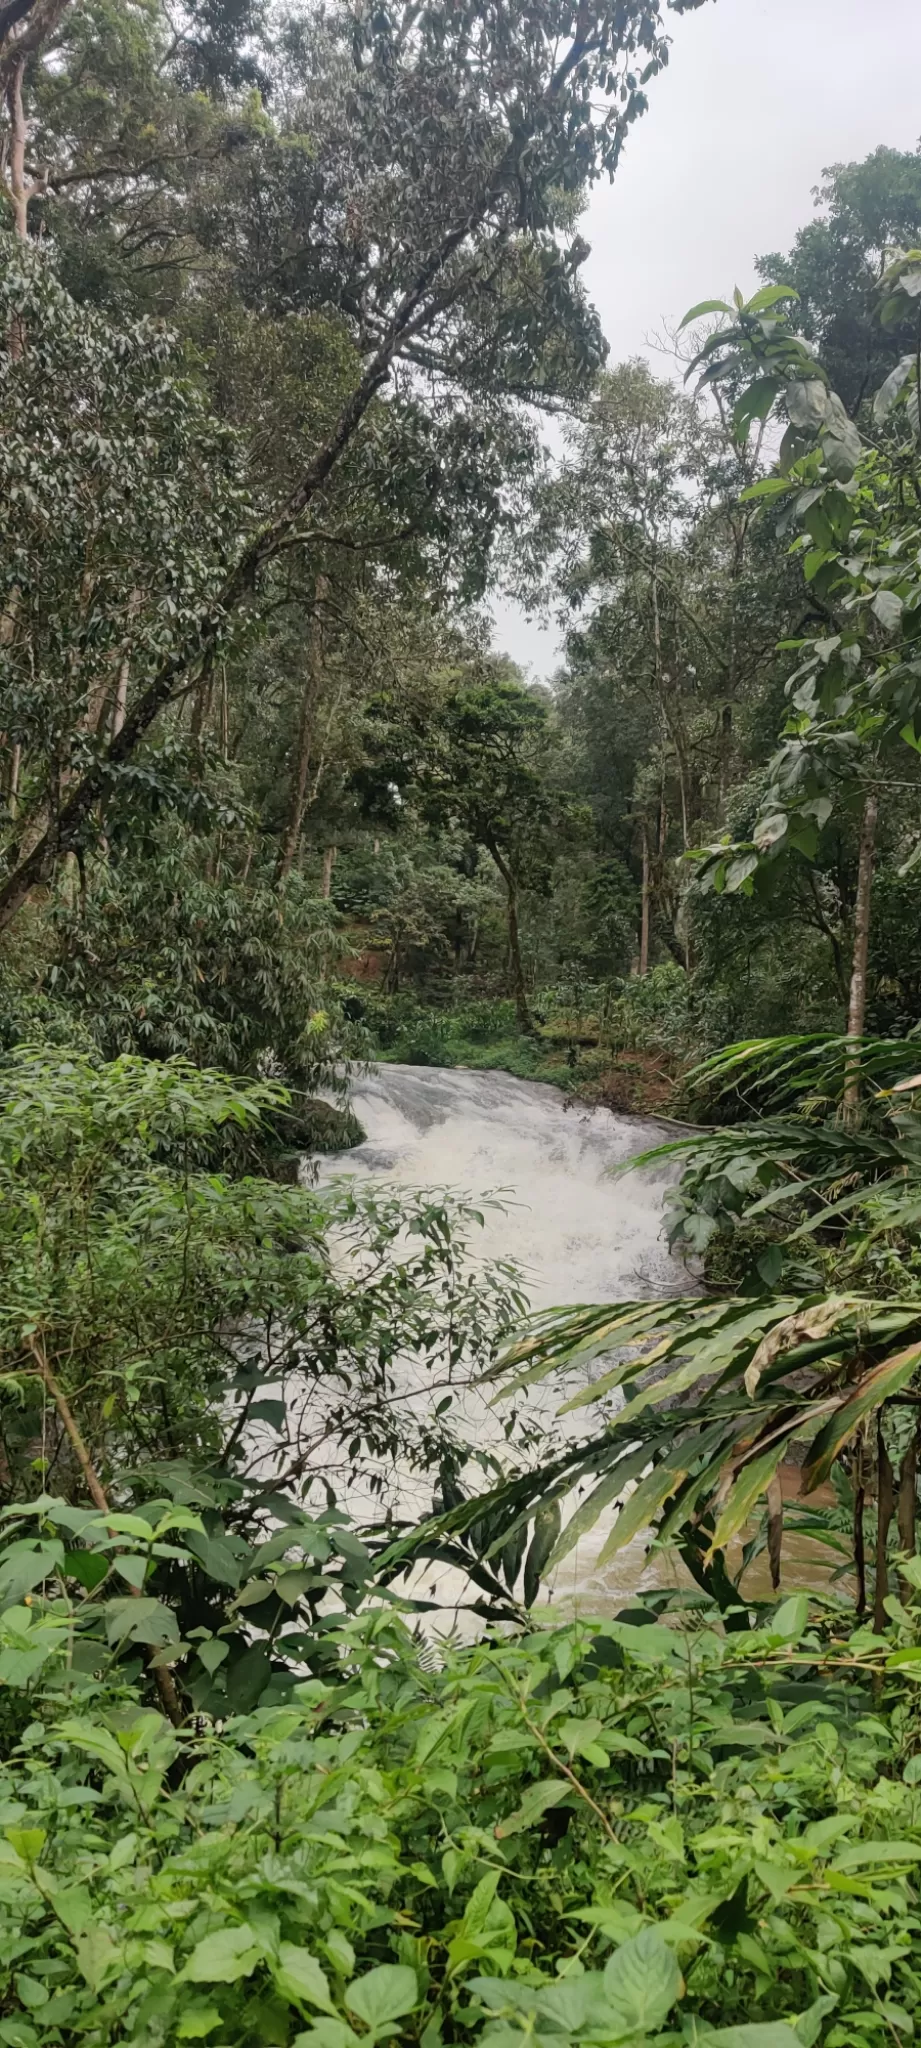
<point x="459" y="142"/>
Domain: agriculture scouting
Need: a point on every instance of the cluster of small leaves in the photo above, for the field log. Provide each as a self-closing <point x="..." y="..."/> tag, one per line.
<point x="285" y="1343"/>
<point x="606" y="1833"/>
<point x="121" y="504"/>
<point x="852" y="509"/>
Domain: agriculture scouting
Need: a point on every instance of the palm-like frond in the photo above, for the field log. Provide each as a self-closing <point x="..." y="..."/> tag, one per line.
<point x="705" y="1398"/>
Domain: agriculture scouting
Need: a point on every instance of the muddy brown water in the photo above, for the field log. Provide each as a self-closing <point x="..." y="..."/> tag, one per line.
<point x="577" y="1231"/>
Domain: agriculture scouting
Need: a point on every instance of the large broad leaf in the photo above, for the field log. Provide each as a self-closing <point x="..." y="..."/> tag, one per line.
<point x="706" y="306"/>
<point x="889" y="391"/>
<point x="642" y="1982"/>
<point x="301" y="1978"/>
<point x="383" y="1995"/>
<point x="222" y="1957"/>
<point x="141" y="1621"/>
<point x="773" y="2034"/>
<point x="770" y="295"/>
<point x="862" y="1855"/>
<point x="807" y="403"/>
<point x="25" y="1566"/>
<point x="538" y="1798"/>
<point x="876" y="1386"/>
<point x="575" y="2003"/>
<point x="755" y="403"/>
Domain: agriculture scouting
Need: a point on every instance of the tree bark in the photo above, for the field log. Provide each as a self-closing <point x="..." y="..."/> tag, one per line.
<point x="313" y="684"/>
<point x="519" y="989"/>
<point x="907" y="1506"/>
<point x="329" y="862"/>
<point x="857" y="1004"/>
<point x="885" y="1509"/>
<point x="644" y="905"/>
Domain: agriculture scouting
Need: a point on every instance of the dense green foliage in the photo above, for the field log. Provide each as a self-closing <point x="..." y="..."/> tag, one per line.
<point x="284" y="292"/>
<point x="615" y="1832"/>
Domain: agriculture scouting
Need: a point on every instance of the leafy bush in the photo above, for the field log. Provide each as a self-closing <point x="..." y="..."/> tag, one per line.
<point x="651" y="1012"/>
<point x="168" y="960"/>
<point x="486" y="1019"/>
<point x="609" y="1832"/>
<point x="171" y="1339"/>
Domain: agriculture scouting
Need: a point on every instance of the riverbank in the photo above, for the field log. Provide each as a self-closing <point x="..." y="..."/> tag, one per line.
<point x="622" y="1053"/>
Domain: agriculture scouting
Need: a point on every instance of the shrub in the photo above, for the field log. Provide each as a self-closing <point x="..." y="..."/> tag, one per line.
<point x="609" y="1832"/>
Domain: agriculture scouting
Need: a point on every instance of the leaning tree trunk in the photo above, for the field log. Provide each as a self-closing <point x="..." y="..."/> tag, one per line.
<point x="857" y="1005"/>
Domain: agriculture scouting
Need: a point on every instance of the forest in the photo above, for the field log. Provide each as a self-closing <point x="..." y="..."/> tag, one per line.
<point x="300" y="379"/>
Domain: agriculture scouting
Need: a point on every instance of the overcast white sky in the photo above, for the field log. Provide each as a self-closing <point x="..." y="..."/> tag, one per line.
<point x="759" y="96"/>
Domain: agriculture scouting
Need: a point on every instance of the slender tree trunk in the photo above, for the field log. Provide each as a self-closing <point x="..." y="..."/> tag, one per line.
<point x="514" y="946"/>
<point x="329" y="862"/>
<point x="313" y="684"/>
<point x="120" y="700"/>
<point x="18" y="190"/>
<point x="163" y="1679"/>
<point x="857" y="1005"/>
<point x="201" y="705"/>
<point x="907" y="1505"/>
<point x="519" y="989"/>
<point x="15" y="771"/>
<point x="644" y="905"/>
<point x="885" y="1509"/>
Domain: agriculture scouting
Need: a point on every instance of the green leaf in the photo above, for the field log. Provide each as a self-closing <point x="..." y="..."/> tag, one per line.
<point x="222" y="1957"/>
<point x="706" y="306"/>
<point x="754" y="404"/>
<point x="876" y="1386"/>
<point x="383" y="1995"/>
<point x="212" y="1654"/>
<point x="141" y="1621"/>
<point x="546" y="1531"/>
<point x="30" y="1991"/>
<point x="24" y="1566"/>
<point x="858" y="1855"/>
<point x="97" y="1955"/>
<point x="537" y="1800"/>
<point x="638" y="1511"/>
<point x="890" y="390"/>
<point x="887" y="607"/>
<point x="301" y="1978"/>
<point x="752" y="1481"/>
<point x="770" y="295"/>
<point x="87" y="1567"/>
<point x="773" y="2034"/>
<point x="807" y="403"/>
<point x="789" y="1619"/>
<point x="196" y="2021"/>
<point x="27" y="1842"/>
<point x="642" y="1982"/>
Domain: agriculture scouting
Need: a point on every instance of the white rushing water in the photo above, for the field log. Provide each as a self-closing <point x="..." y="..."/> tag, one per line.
<point x="577" y="1231"/>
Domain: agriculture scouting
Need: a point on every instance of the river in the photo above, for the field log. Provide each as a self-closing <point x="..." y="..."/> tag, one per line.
<point x="576" y="1230"/>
